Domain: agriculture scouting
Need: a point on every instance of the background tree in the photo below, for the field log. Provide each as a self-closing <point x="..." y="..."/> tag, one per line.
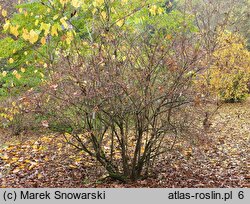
<point x="215" y="19"/>
<point x="230" y="71"/>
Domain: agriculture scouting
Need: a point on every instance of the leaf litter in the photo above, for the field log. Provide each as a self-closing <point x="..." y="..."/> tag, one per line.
<point x="48" y="161"/>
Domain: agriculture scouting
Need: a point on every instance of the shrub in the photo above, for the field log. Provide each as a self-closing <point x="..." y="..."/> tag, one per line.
<point x="118" y="77"/>
<point x="127" y="99"/>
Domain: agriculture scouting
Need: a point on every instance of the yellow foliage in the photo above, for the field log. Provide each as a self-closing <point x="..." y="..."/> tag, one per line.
<point x="64" y="23"/>
<point x="36" y="22"/>
<point x="45" y="27"/>
<point x="230" y="71"/>
<point x="160" y="10"/>
<point x="120" y="23"/>
<point x="4" y="13"/>
<point x="69" y="37"/>
<point x="124" y="2"/>
<point x="11" y="61"/>
<point x="4" y="73"/>
<point x="55" y="17"/>
<point x="76" y="3"/>
<point x="25" y="34"/>
<point x="18" y="76"/>
<point x="9" y="113"/>
<point x="14" y="30"/>
<point x="43" y="40"/>
<point x="97" y="3"/>
<point x="54" y="29"/>
<point x="103" y="15"/>
<point x="23" y="70"/>
<point x="153" y="10"/>
<point x="6" y="25"/>
<point x="33" y="36"/>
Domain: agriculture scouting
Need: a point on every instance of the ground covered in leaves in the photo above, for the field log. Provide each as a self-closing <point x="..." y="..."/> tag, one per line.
<point x="48" y="162"/>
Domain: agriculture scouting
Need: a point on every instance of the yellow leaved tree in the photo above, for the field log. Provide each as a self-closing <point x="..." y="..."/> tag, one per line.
<point x="230" y="70"/>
